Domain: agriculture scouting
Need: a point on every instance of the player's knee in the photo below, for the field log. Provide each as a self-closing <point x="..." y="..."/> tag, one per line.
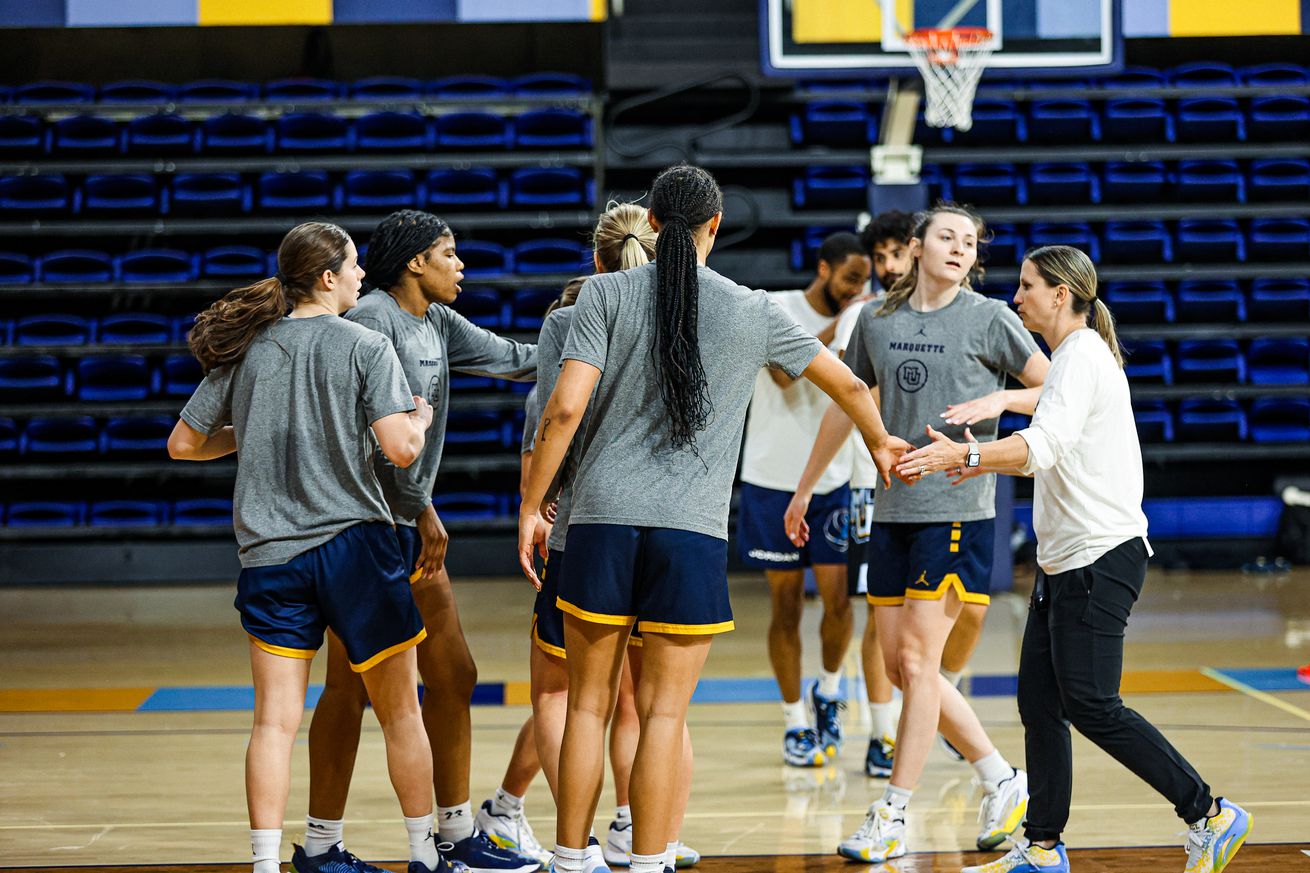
<point x="344" y="695"/>
<point x="913" y="666"/>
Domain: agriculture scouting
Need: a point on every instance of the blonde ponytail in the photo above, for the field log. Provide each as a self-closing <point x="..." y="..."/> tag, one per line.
<point x="623" y="238"/>
<point x="1103" y="321"/>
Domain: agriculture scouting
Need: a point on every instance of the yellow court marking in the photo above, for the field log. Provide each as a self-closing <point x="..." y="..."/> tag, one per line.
<point x="1262" y="696"/>
<point x="73" y="699"/>
<point x="1168" y="682"/>
<point x="518" y="693"/>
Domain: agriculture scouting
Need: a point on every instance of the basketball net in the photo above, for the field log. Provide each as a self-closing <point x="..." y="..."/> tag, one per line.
<point x="952" y="61"/>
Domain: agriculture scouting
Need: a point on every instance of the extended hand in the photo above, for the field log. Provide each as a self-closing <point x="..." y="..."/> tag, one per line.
<point x="886" y="456"/>
<point x="798" y="529"/>
<point x="974" y="411"/>
<point x="432" y="553"/>
<point x="533" y="531"/>
<point x="940" y="454"/>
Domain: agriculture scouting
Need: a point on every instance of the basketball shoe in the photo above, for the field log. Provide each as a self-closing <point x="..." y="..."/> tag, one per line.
<point x="800" y="748"/>
<point x="481" y="855"/>
<point x="879" y="839"/>
<point x="878" y="760"/>
<point x="618" y="848"/>
<point x="1026" y="858"/>
<point x="510" y="831"/>
<point x="1004" y="805"/>
<point x="827" y="721"/>
<point x="1212" y="842"/>
<point x="334" y="860"/>
<point x="593" y="862"/>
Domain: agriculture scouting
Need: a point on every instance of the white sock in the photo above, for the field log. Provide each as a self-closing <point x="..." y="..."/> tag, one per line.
<point x="993" y="768"/>
<point x="321" y="834"/>
<point x="505" y="803"/>
<point x="671" y="855"/>
<point x="265" y="846"/>
<point x="884" y="719"/>
<point x="569" y="860"/>
<point x="647" y="863"/>
<point x="455" y="822"/>
<point x="830" y="683"/>
<point x="623" y="814"/>
<point x="897" y="796"/>
<point x="422" y="841"/>
<point x="796" y="715"/>
<point x="953" y="676"/>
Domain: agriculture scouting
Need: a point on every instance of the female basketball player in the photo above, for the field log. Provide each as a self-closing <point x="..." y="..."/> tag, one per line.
<point x="299" y="394"/>
<point x="671" y="350"/>
<point x="929" y="343"/>
<point x="1083" y="452"/>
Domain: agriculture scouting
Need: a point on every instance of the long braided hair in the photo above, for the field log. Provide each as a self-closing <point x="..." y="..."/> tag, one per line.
<point x="399" y="237"/>
<point x="682" y="199"/>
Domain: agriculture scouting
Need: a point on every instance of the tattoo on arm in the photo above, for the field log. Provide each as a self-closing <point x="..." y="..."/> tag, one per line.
<point x="545" y="426"/>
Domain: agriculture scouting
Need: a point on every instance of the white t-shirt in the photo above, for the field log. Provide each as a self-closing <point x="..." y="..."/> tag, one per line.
<point x="1085" y="458"/>
<point x="783" y="422"/>
<point x="864" y="474"/>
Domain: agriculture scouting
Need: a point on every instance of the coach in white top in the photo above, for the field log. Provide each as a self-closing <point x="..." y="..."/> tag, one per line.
<point x="1083" y="453"/>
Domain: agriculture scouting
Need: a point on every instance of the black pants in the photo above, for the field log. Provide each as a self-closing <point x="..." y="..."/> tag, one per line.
<point x="1069" y="673"/>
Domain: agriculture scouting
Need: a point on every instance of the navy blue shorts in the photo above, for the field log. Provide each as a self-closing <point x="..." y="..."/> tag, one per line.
<point x="411" y="544"/>
<point x="356" y="583"/>
<point x="762" y="536"/>
<point x="659" y="579"/>
<point x="857" y="548"/>
<point x="548" y="618"/>
<point x="921" y="561"/>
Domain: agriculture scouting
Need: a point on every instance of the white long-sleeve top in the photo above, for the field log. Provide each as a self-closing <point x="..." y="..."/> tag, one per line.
<point x="1084" y="456"/>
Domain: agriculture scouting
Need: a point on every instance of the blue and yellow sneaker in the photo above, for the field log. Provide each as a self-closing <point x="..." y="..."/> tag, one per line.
<point x="827" y="721"/>
<point x="879" y="839"/>
<point x="1004" y="805"/>
<point x="334" y="860"/>
<point x="510" y="831"/>
<point x="800" y="748"/>
<point x="1026" y="858"/>
<point x="444" y="865"/>
<point x="1212" y="842"/>
<point x="481" y="855"/>
<point x="878" y="760"/>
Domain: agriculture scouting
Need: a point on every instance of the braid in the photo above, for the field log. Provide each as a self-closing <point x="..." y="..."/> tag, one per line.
<point x="399" y="237"/>
<point x="682" y="199"/>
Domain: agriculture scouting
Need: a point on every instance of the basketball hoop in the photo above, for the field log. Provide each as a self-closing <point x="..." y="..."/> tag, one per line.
<point x="951" y="61"/>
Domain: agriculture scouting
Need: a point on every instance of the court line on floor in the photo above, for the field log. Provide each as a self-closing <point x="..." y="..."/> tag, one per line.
<point x="704" y="816"/>
<point x="1255" y="693"/>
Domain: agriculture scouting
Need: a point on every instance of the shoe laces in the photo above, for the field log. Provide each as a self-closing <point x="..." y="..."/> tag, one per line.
<point x="880" y="814"/>
<point x="806" y="737"/>
<point x="524" y="834"/>
<point x="989" y="812"/>
<point x="1199" y="840"/>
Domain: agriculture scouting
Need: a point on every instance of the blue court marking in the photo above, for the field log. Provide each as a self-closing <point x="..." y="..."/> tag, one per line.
<point x="1268" y="680"/>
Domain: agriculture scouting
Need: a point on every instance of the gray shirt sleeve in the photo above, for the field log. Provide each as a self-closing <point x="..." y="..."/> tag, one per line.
<point x="476" y="350"/>
<point x="531" y="418"/>
<point x="383" y="387"/>
<point x="1009" y="344"/>
<point x="588" y="340"/>
<point x="210" y="407"/>
<point x="791" y="348"/>
<point x="857" y="350"/>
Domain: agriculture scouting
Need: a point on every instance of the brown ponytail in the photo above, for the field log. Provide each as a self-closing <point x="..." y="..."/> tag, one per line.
<point x="1068" y="266"/>
<point x="903" y="287"/>
<point x="225" y="330"/>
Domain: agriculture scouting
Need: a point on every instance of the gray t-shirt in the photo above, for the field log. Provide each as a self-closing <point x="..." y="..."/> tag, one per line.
<point x="531" y="415"/>
<point x="550" y="353"/>
<point x="630" y="474"/>
<point x="924" y="361"/>
<point x="301" y="402"/>
<point x="429" y="348"/>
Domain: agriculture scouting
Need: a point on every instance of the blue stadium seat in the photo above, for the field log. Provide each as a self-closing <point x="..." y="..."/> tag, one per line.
<point x="1139" y="77"/>
<point x="386" y="87"/>
<point x="1067" y="120"/>
<point x="476" y="431"/>
<point x="233" y="134"/>
<point x="381" y="190"/>
<point x="1280" y="300"/>
<point x="136" y="436"/>
<point x="312" y="132"/>
<point x="1280" y="420"/>
<point x="553" y="129"/>
<point x="1279" y="361"/>
<point x="72" y="437"/>
<point x="239" y="261"/>
<point x="45" y="513"/>
<point x="136" y="328"/>
<point x="210" y="194"/>
<point x="54" y="329"/>
<point x="1280" y="179"/>
<point x="301" y="89"/>
<point x="33" y="377"/>
<point x="469" y="505"/>
<point x="1069" y="233"/>
<point x="9" y="433"/>
<point x="1135" y="181"/>
<point x="393" y="132"/>
<point x="1284" y="117"/>
<point x="1202" y="419"/>
<point x="485" y="258"/>
<point x="181" y="327"/>
<point x="1137" y="119"/>
<point x="1216" y="360"/>
<point x="549" y="84"/>
<point x="1210" y="119"/>
<point x="1216" y="300"/>
<point x="1210" y="240"/>
<point x="43" y="196"/>
<point x="463" y="383"/>
<point x="22" y="136"/>
<point x="473" y="130"/>
<point x="1063" y="183"/>
<point x="805" y="250"/>
<point x="160" y="134"/>
<point x="1203" y="74"/>
<point x="1139" y="302"/>
<point x="115" y="378"/>
<point x="1274" y="75"/>
<point x="937" y="179"/>
<point x="987" y="185"/>
<point x="180" y="375"/>
<point x="488" y="87"/>
<point x="995" y="122"/>
<point x="77" y="265"/>
<point x="549" y="188"/>
<point x="137" y="91"/>
<point x="530" y="306"/>
<point x="217" y="91"/>
<point x="1007" y="246"/>
<point x="85" y="136"/>
<point x="483" y="307"/>
<point x="1155" y="423"/>
<point x="16" y="268"/>
<point x="1148" y="361"/>
<point x="831" y="188"/>
<point x="54" y="92"/>
<point x="309" y="191"/>
<point x="834" y="123"/>
<point x="551" y="256"/>
<point x="127" y="513"/>
<point x="1280" y="239"/>
<point x="203" y="511"/>
<point x="466" y="188"/>
<point x="157" y="265"/>
<point x="1216" y="181"/>
<point x="120" y="196"/>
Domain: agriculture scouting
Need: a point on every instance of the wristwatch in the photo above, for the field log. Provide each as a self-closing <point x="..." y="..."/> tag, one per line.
<point x="974" y="457"/>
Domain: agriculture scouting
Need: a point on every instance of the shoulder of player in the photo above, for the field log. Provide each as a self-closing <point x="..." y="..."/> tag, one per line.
<point x="989" y="306"/>
<point x="558" y="321"/>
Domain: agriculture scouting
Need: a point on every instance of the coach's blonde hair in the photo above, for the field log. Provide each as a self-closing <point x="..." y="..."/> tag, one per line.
<point x="901" y="290"/>
<point x="1070" y="267"/>
<point x="623" y="238"/>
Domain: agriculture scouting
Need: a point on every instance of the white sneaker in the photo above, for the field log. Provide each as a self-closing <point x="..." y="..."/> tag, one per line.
<point x="618" y="844"/>
<point x="879" y="839"/>
<point x="1004" y="805"/>
<point x="510" y="831"/>
<point x="595" y="860"/>
<point x="686" y="856"/>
